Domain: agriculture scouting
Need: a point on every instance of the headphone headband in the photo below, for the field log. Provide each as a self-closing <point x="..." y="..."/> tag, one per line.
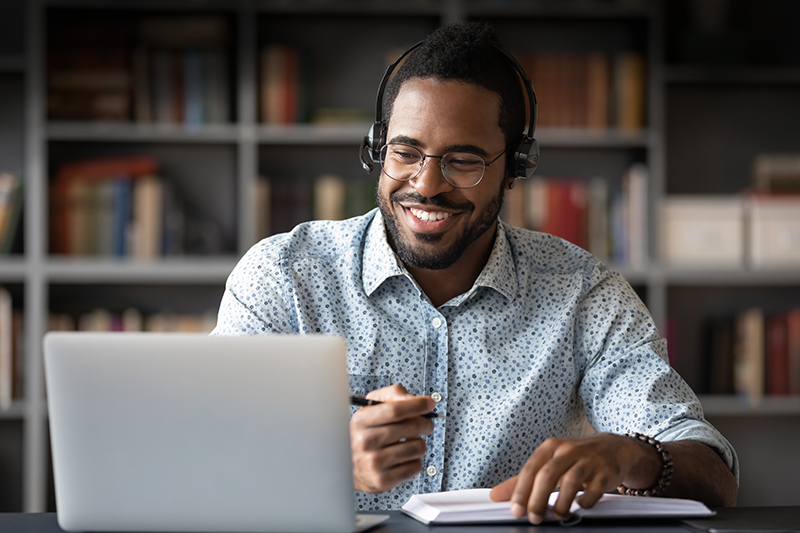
<point x="526" y="154"/>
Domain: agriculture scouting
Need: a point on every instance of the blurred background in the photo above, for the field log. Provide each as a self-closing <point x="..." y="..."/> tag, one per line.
<point x="146" y="145"/>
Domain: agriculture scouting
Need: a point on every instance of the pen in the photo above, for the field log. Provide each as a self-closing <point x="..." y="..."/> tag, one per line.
<point x="356" y="399"/>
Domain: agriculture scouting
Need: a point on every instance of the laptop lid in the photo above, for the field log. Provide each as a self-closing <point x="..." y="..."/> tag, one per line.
<point x="185" y="432"/>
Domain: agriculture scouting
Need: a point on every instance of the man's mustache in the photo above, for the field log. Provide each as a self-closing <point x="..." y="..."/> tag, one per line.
<point x="436" y="201"/>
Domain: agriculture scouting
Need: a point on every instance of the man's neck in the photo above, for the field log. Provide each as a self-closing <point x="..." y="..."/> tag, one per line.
<point x="441" y="286"/>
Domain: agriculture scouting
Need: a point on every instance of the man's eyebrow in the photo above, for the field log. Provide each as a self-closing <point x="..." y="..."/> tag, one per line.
<point x="405" y="140"/>
<point x="469" y="148"/>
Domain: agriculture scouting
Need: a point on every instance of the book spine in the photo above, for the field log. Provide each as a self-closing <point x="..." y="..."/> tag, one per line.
<point x="193" y="89"/>
<point x="6" y="349"/>
<point x="777" y="356"/>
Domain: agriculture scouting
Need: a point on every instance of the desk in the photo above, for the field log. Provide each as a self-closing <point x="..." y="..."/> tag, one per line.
<point x="399" y="523"/>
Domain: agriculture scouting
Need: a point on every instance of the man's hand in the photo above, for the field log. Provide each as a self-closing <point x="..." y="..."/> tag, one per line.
<point x="385" y="439"/>
<point x="595" y="465"/>
<point x="602" y="462"/>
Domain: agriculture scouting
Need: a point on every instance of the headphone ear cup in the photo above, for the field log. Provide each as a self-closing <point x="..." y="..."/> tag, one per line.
<point x="371" y="147"/>
<point x="532" y="161"/>
<point x="526" y="158"/>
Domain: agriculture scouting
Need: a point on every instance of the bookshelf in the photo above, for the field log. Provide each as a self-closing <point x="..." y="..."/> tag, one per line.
<point x="745" y="108"/>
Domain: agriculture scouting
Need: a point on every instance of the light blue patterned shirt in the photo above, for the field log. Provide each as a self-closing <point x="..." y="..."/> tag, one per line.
<point x="546" y="338"/>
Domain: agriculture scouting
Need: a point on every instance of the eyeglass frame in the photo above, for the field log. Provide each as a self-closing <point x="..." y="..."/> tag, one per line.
<point x="440" y="158"/>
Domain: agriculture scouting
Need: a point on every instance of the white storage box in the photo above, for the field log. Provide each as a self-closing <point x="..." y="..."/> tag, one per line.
<point x="705" y="231"/>
<point x="774" y="230"/>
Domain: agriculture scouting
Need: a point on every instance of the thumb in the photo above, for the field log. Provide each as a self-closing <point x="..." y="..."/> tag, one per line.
<point x="503" y="491"/>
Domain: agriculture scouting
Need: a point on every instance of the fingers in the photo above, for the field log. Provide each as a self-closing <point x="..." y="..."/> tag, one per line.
<point x="571" y="465"/>
<point x="394" y="411"/>
<point x="390" y="393"/>
<point x="524" y="500"/>
<point x="385" y="439"/>
<point x="503" y="491"/>
<point x="381" y="470"/>
<point x="367" y="435"/>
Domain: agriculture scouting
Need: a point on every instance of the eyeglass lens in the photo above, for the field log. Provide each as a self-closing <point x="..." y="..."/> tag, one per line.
<point x="402" y="162"/>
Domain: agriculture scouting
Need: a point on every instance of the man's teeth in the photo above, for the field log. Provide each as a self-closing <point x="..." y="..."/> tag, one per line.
<point x="427" y="216"/>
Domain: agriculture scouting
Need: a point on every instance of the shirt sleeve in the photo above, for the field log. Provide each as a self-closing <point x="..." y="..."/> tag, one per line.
<point x="628" y="384"/>
<point x="256" y="296"/>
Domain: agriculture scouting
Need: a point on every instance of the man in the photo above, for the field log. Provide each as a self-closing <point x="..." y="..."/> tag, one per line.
<point x="517" y="337"/>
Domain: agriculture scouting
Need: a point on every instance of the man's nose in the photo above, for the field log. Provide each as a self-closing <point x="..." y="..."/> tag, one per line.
<point x="430" y="181"/>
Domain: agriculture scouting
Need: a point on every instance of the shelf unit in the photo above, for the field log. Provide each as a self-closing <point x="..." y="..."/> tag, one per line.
<point x="245" y="148"/>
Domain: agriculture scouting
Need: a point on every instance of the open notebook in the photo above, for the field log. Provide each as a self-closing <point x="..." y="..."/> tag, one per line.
<point x="473" y="506"/>
<point x="185" y="432"/>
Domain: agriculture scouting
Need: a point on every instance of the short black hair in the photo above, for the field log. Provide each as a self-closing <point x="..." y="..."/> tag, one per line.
<point x="466" y="52"/>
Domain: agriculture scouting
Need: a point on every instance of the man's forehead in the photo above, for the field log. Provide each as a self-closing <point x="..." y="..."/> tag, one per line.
<point x="425" y="104"/>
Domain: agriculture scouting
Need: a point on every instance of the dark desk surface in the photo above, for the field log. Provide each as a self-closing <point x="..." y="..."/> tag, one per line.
<point x="775" y="519"/>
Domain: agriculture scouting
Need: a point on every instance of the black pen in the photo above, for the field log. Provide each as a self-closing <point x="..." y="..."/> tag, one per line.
<point x="356" y="399"/>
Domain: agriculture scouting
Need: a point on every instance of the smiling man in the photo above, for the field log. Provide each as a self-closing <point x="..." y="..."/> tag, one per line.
<point x="518" y="337"/>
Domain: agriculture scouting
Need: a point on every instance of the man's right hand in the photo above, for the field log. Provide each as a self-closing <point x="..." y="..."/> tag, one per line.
<point x="385" y="439"/>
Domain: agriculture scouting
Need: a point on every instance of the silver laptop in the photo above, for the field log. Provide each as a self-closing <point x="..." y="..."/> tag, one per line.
<point x="185" y="432"/>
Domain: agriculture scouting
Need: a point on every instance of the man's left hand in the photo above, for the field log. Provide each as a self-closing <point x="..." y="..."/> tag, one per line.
<point x="595" y="465"/>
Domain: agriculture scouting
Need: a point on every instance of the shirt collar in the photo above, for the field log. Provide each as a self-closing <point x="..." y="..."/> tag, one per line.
<point x="380" y="263"/>
<point x="500" y="272"/>
<point x="379" y="260"/>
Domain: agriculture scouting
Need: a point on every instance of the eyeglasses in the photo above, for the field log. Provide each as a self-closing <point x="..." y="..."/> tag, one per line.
<point x="463" y="170"/>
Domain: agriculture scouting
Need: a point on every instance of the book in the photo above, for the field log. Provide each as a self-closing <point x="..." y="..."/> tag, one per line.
<point x="193" y="89"/>
<point x="635" y="180"/>
<point x="777" y="173"/>
<point x="147" y="224"/>
<point x="330" y="192"/>
<point x="263" y="207"/>
<point x="777" y="356"/>
<point x="560" y="208"/>
<point x="598" y="89"/>
<point x="630" y="73"/>
<point x="748" y="355"/>
<point x="215" y="79"/>
<point x="793" y="349"/>
<point x="184" y="31"/>
<point x="278" y="69"/>
<point x="72" y="204"/>
<point x="597" y="217"/>
<point x="513" y="211"/>
<point x="18" y="352"/>
<point x="473" y="506"/>
<point x="11" y="199"/>
<point x="720" y="350"/>
<point x="6" y="349"/>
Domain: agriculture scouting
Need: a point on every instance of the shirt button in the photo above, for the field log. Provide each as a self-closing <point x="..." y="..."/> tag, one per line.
<point x="431" y="470"/>
<point x="436" y="397"/>
<point x="437" y="322"/>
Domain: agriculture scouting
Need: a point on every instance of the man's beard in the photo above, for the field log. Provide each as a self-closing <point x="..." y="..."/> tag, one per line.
<point x="417" y="257"/>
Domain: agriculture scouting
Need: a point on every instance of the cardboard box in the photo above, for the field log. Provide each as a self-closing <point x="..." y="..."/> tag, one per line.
<point x="704" y="231"/>
<point x="774" y="231"/>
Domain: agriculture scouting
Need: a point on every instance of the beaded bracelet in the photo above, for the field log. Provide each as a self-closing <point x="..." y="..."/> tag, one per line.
<point x="666" y="469"/>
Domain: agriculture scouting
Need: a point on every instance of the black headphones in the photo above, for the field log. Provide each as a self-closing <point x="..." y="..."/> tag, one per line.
<point x="526" y="154"/>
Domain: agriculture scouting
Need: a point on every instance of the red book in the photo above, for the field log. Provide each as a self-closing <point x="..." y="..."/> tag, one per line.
<point x="777" y="355"/>
<point x="793" y="349"/>
<point x="566" y="211"/>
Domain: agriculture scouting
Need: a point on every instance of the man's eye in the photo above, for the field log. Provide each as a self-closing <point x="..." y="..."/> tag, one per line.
<point x="406" y="156"/>
<point x="463" y="163"/>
